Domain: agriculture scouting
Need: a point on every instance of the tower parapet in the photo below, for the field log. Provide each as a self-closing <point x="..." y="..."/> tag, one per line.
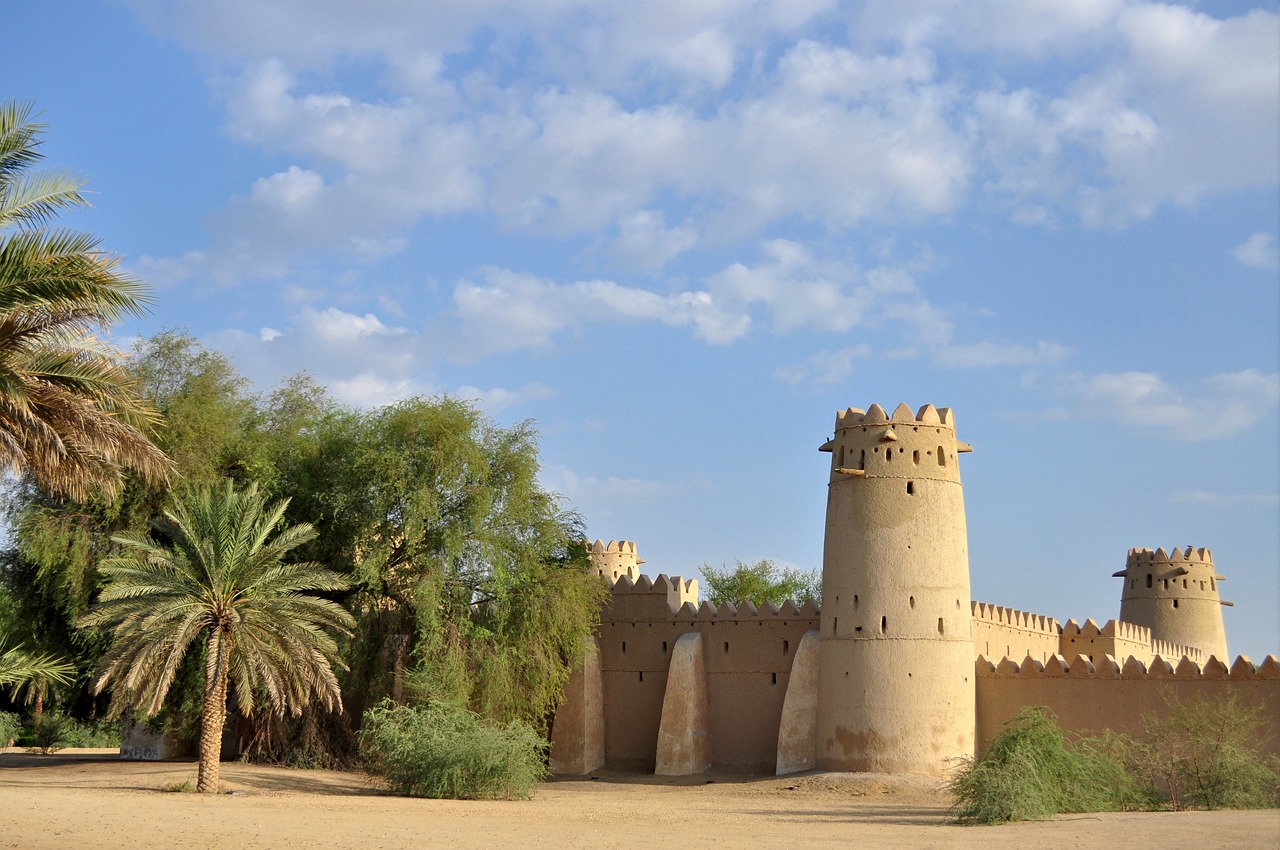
<point x="615" y="559"/>
<point x="1175" y="594"/>
<point x="896" y="644"/>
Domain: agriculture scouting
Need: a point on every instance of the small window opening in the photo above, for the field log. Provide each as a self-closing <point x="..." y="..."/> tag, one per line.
<point x="624" y="647"/>
<point x="940" y="631"/>
<point x="1175" y="603"/>
<point x="775" y="679"/>
<point x="786" y="647"/>
<point x="855" y="601"/>
<point x="888" y="455"/>
<point x="857" y="628"/>
<point x="642" y="675"/>
<point x="1184" y="584"/>
<point x="835" y="626"/>
<point x="911" y="488"/>
<point x="884" y="625"/>
<point x="1213" y="584"/>
<point x="862" y="459"/>
<point x="840" y="462"/>
<point x="726" y="647"/>
<point x="664" y="647"/>
<point x="1165" y="583"/>
<point x="911" y="600"/>
<point x="942" y="457"/>
<point x="1148" y="579"/>
<point x="915" y="457"/>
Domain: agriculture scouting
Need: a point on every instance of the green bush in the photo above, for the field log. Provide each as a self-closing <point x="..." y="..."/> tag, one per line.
<point x="91" y="733"/>
<point x="48" y="734"/>
<point x="1202" y="754"/>
<point x="10" y="727"/>
<point x="447" y="751"/>
<point x="1029" y="772"/>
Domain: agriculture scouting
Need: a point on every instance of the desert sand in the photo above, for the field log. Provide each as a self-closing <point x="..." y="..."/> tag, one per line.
<point x="90" y="798"/>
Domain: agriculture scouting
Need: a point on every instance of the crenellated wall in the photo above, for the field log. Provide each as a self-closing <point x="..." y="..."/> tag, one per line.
<point x="747" y="653"/>
<point x="1089" y="697"/>
<point x="999" y="632"/>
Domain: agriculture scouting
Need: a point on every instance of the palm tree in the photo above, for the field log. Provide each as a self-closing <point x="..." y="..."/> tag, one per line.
<point x="220" y="577"/>
<point x="70" y="414"/>
<point x="19" y="667"/>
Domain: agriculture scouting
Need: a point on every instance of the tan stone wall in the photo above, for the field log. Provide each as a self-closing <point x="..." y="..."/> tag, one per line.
<point x="747" y="655"/>
<point x="1000" y="632"/>
<point x="1088" y="697"/>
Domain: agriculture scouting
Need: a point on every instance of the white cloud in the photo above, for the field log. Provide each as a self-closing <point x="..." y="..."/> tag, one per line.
<point x="1259" y="252"/>
<point x="1205" y="497"/>
<point x="825" y="368"/>
<point x="1223" y="405"/>
<point x="986" y="354"/>
<point x="658" y="128"/>
<point x="497" y="398"/>
<point x="645" y="242"/>
<point x="787" y="291"/>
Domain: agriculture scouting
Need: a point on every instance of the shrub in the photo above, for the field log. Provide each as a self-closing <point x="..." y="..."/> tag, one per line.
<point x="10" y="727"/>
<point x="446" y="751"/>
<point x="1029" y="772"/>
<point x="48" y="734"/>
<point x="1202" y="754"/>
<point x="91" y="733"/>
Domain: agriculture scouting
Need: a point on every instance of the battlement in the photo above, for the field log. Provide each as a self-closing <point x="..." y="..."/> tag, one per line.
<point x="788" y="610"/>
<point x="1190" y="553"/>
<point x="875" y="415"/>
<point x="1012" y="618"/>
<point x="619" y="546"/>
<point x="1109" y="667"/>
<point x="1145" y="557"/>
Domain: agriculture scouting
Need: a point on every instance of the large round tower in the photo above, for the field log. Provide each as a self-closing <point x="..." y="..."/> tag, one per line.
<point x="1175" y="594"/>
<point x="896" y="680"/>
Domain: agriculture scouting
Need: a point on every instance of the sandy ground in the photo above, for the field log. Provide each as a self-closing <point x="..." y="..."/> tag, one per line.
<point x="89" y="798"/>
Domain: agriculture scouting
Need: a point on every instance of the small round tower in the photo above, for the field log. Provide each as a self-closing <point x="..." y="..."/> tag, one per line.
<point x="1175" y="594"/>
<point x="615" y="560"/>
<point x="896" y="688"/>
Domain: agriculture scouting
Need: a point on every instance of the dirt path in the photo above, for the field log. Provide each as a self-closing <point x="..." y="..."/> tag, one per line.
<point x="89" y="798"/>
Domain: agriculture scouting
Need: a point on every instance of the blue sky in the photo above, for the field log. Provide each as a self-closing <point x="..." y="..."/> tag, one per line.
<point x="681" y="235"/>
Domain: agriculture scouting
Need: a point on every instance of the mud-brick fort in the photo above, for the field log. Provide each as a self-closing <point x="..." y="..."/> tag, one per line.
<point x="898" y="671"/>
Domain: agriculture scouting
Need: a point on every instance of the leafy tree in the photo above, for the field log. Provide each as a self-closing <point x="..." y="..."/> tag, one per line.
<point x="71" y="416"/>
<point x="760" y="581"/>
<point x="220" y="578"/>
<point x="212" y="431"/>
<point x="470" y="587"/>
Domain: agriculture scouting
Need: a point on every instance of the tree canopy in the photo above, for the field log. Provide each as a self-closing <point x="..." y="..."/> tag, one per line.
<point x="216" y="573"/>
<point x="760" y="581"/>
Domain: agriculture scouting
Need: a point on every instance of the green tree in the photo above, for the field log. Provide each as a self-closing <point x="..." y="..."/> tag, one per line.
<point x="760" y="581"/>
<point x="212" y="431"/>
<point x="220" y="577"/>
<point x="470" y="587"/>
<point x="71" y="416"/>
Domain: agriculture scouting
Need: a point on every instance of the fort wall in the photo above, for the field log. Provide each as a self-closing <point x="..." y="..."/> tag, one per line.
<point x="1000" y="632"/>
<point x="1090" y="697"/>
<point x="747" y="652"/>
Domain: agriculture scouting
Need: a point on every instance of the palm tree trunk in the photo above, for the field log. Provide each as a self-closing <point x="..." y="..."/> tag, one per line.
<point x="214" y="710"/>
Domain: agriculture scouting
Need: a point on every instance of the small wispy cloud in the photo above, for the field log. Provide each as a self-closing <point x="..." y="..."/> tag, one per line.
<point x="1205" y="497"/>
<point x="1259" y="252"/>
<point x="1220" y="406"/>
